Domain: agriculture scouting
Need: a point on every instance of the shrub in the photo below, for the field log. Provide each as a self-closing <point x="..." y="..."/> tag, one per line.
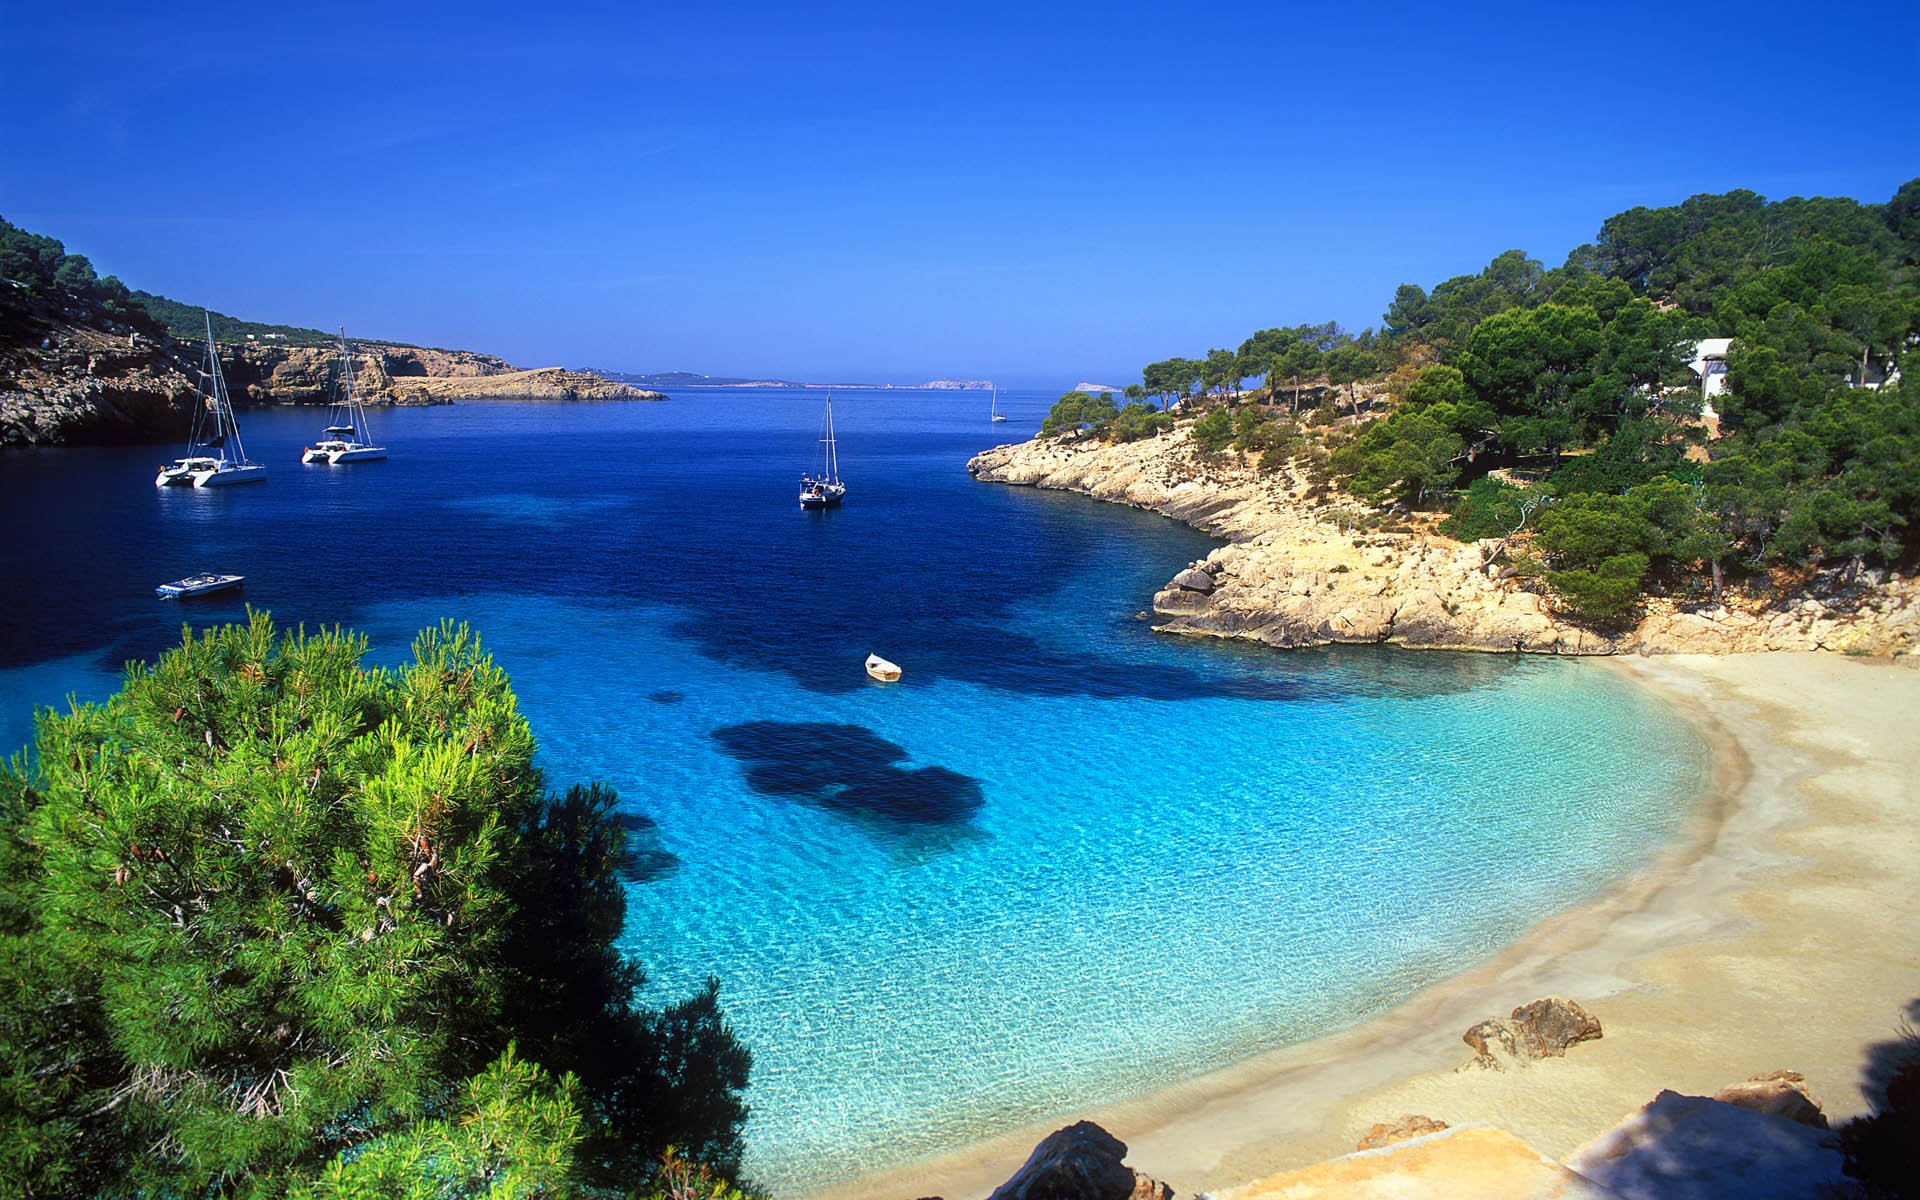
<point x="1214" y="431"/>
<point x="1603" y="591"/>
<point x="1487" y="509"/>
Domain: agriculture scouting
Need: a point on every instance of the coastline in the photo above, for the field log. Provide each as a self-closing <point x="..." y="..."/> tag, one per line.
<point x="1702" y="967"/>
<point x="1305" y="567"/>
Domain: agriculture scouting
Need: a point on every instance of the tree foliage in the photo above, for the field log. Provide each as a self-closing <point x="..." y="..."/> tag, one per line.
<point x="275" y="923"/>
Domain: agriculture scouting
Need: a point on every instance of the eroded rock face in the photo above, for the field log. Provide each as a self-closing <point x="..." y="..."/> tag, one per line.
<point x="1540" y="1029"/>
<point x="1386" y="1133"/>
<point x="1779" y="1094"/>
<point x="1297" y="572"/>
<point x="1080" y="1162"/>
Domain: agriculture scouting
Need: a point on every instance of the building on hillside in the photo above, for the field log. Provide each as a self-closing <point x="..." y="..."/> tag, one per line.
<point x="1709" y="366"/>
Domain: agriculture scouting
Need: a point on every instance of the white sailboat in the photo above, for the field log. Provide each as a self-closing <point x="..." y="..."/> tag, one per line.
<point x="825" y="489"/>
<point x="347" y="439"/>
<point x="214" y="432"/>
<point x="997" y="414"/>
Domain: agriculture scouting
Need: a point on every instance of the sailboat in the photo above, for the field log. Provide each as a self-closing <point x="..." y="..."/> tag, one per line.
<point x="347" y="439"/>
<point x="206" y="463"/>
<point x="997" y="414"/>
<point x="825" y="489"/>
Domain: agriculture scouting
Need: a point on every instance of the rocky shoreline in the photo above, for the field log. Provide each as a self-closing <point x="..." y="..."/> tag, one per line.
<point x="1302" y="569"/>
<point x="76" y="377"/>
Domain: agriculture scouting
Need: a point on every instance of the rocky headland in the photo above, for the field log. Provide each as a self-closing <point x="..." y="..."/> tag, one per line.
<point x="1304" y="567"/>
<point x="71" y="373"/>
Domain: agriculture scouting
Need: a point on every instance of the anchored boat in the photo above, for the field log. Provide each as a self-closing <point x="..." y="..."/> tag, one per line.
<point x="882" y="670"/>
<point x="997" y="414"/>
<point x="214" y="432"/>
<point x="825" y="489"/>
<point x="197" y="585"/>
<point x="347" y="439"/>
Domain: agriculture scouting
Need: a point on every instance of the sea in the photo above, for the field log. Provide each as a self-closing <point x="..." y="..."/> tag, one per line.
<point x="1065" y="860"/>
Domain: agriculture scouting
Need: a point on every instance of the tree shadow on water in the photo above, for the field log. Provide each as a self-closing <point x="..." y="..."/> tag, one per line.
<point x="853" y="772"/>
<point x="645" y="858"/>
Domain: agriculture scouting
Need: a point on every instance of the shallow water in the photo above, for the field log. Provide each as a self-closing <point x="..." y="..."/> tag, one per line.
<point x="1063" y="861"/>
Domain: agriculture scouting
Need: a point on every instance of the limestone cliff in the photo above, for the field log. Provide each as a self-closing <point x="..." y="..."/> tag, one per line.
<point x="1298" y="571"/>
<point x="268" y="374"/>
<point x="71" y="373"/>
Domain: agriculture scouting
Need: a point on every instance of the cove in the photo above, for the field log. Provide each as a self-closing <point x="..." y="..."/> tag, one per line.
<point x="1065" y="861"/>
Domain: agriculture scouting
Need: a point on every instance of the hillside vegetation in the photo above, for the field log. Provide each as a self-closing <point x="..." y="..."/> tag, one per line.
<point x="1555" y="408"/>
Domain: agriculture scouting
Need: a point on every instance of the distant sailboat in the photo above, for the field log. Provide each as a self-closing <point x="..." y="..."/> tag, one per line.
<point x="997" y="414"/>
<point x="825" y="489"/>
<point x="206" y="463"/>
<point x="347" y="439"/>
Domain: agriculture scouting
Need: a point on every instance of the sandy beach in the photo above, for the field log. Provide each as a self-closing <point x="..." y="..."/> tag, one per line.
<point x="1776" y="933"/>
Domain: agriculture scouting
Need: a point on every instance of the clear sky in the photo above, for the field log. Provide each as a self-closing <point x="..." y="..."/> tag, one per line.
<point x="1034" y="193"/>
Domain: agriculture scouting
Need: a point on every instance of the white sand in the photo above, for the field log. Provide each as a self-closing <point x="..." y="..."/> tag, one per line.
<point x="1780" y="933"/>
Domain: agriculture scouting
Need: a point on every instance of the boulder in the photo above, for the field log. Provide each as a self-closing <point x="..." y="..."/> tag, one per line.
<point x="1541" y="1029"/>
<point x="1386" y="1133"/>
<point x="1080" y="1162"/>
<point x="1176" y="602"/>
<point x="1193" y="579"/>
<point x="1692" y="1148"/>
<point x="1779" y="1094"/>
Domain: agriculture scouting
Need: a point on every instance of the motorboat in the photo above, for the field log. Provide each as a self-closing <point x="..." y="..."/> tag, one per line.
<point x="198" y="585"/>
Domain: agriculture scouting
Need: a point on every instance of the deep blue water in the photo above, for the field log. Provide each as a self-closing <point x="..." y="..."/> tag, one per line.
<point x="1063" y="861"/>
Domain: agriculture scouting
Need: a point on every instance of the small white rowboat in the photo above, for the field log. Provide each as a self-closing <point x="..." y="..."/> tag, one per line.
<point x="882" y="670"/>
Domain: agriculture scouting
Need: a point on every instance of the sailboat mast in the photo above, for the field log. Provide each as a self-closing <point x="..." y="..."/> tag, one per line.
<point x="355" y="417"/>
<point x="224" y="421"/>
<point x="833" y="452"/>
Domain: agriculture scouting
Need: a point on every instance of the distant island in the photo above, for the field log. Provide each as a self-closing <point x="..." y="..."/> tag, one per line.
<point x="660" y="379"/>
<point x="1094" y="389"/>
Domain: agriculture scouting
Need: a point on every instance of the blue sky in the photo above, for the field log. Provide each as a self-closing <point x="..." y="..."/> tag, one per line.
<point x="1034" y="193"/>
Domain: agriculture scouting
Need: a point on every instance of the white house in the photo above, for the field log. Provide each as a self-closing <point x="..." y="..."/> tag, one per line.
<point x="1709" y="366"/>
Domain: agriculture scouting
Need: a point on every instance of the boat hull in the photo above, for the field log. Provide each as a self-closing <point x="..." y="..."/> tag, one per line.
<point x="231" y="476"/>
<point x="198" y="585"/>
<point x="335" y="452"/>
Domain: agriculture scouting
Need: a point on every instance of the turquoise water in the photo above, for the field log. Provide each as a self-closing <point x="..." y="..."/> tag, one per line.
<point x="1064" y="861"/>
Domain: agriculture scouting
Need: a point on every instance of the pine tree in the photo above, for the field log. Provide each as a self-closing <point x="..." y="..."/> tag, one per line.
<point x="268" y="915"/>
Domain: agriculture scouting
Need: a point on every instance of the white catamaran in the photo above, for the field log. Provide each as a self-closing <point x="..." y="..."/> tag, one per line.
<point x="347" y="439"/>
<point x="825" y="489"/>
<point x="214" y="433"/>
<point x="997" y="414"/>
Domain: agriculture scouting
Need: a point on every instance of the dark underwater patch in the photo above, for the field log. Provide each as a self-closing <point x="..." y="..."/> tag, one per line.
<point x="645" y="859"/>
<point x="851" y="770"/>
<point x="666" y="696"/>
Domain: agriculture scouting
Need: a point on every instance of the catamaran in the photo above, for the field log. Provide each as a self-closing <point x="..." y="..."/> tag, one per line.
<point x="997" y="414"/>
<point x="825" y="489"/>
<point x="206" y="463"/>
<point x="347" y="439"/>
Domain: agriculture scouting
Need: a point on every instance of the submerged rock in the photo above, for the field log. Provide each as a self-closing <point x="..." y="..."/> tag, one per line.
<point x="1080" y="1162"/>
